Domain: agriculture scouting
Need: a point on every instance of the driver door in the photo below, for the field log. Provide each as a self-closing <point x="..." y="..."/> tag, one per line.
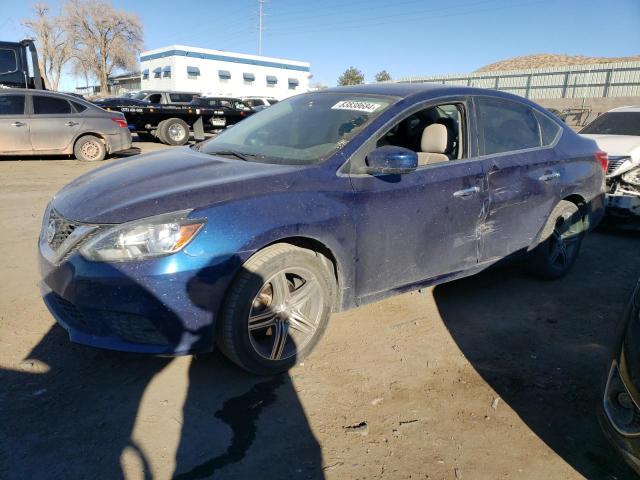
<point x="424" y="224"/>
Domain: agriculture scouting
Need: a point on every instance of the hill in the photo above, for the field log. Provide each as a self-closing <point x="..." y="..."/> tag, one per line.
<point x="548" y="60"/>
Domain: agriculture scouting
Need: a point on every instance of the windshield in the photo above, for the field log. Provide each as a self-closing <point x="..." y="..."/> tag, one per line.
<point x="140" y="95"/>
<point x="615" y="123"/>
<point x="301" y="130"/>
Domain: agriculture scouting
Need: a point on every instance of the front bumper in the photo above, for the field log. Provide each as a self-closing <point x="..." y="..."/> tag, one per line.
<point x="623" y="205"/>
<point x="620" y="425"/>
<point x="165" y="306"/>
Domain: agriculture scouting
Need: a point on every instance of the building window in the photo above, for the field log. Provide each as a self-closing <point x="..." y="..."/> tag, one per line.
<point x="193" y="73"/>
<point x="166" y="72"/>
<point x="157" y="72"/>
<point x="293" y="83"/>
<point x="224" y="75"/>
<point x="272" y="80"/>
<point x="145" y="74"/>
<point x="248" y="78"/>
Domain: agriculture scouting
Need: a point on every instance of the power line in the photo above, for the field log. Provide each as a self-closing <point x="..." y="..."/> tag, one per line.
<point x="398" y="18"/>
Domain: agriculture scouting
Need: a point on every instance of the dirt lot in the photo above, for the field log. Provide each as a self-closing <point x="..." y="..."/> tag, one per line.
<point x="491" y="377"/>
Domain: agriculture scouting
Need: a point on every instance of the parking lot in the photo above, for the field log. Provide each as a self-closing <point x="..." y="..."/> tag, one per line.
<point x="495" y="376"/>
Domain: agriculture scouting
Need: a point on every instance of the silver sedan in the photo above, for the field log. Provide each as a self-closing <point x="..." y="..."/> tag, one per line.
<point x="36" y="122"/>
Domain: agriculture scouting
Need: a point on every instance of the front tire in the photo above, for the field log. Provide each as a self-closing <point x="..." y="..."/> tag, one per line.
<point x="277" y="309"/>
<point x="561" y="240"/>
<point x="89" y="149"/>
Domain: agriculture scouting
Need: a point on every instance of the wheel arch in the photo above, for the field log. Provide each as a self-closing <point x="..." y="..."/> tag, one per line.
<point x="101" y="136"/>
<point x="325" y="253"/>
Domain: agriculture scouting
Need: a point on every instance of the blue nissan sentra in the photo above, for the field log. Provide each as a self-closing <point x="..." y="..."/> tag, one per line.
<point x="320" y="203"/>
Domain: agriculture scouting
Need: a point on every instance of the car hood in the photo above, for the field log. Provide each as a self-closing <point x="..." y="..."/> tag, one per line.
<point x="165" y="181"/>
<point x="617" y="145"/>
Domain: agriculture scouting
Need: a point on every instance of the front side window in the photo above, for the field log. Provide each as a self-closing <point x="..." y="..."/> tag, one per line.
<point x="505" y="126"/>
<point x="8" y="61"/>
<point x="11" y="104"/>
<point x="435" y="133"/>
<point x="615" y="123"/>
<point x="301" y="130"/>
<point x="50" y="106"/>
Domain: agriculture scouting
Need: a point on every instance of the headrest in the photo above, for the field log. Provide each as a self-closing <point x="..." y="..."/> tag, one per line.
<point x="435" y="139"/>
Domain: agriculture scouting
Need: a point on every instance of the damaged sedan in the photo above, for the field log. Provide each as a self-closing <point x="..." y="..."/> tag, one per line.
<point x="323" y="202"/>
<point x="617" y="132"/>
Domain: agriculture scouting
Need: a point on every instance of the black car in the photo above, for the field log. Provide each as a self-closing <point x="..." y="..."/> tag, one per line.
<point x="620" y="417"/>
<point x="227" y="110"/>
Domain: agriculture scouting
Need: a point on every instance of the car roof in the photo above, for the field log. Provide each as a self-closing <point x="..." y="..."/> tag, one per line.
<point x="168" y="91"/>
<point x="49" y="93"/>
<point x="425" y="91"/>
<point x="630" y="108"/>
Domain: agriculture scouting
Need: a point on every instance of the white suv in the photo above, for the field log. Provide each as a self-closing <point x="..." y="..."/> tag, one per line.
<point x="617" y="132"/>
<point x="259" y="103"/>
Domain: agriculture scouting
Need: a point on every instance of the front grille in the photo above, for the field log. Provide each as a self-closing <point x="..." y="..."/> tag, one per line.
<point x="615" y="163"/>
<point x="62" y="228"/>
<point x="133" y="328"/>
<point x="72" y="316"/>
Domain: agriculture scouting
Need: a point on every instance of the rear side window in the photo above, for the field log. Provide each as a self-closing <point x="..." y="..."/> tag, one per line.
<point x="78" y="107"/>
<point x="180" y="97"/>
<point x="506" y="126"/>
<point x="50" y="105"/>
<point x="549" y="129"/>
<point x="11" y="104"/>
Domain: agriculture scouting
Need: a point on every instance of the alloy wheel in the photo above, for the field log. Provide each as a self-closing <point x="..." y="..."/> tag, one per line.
<point x="285" y="314"/>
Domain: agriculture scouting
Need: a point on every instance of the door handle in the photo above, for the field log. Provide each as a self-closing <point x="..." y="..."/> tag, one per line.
<point x="467" y="192"/>
<point x="18" y="124"/>
<point x="71" y="124"/>
<point x="549" y="176"/>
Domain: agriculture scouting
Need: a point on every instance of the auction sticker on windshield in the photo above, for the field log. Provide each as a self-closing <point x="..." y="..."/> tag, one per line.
<point x="358" y="106"/>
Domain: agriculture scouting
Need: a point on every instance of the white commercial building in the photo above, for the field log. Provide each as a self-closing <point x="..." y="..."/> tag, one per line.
<point x="216" y="72"/>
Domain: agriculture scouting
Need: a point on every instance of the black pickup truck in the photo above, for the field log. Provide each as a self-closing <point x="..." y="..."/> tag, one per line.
<point x="171" y="116"/>
<point x="166" y="116"/>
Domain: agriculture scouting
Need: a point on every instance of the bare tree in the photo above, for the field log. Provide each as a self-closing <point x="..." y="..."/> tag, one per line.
<point x="54" y="45"/>
<point x="105" y="39"/>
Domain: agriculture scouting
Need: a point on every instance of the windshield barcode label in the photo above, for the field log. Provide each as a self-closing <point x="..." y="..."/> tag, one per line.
<point x="368" y="107"/>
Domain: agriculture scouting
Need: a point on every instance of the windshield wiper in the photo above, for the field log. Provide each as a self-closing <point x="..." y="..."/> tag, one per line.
<point x="230" y="153"/>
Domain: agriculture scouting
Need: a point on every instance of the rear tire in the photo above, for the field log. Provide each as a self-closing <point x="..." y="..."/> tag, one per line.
<point x="89" y="148"/>
<point x="276" y="310"/>
<point x="561" y="240"/>
<point x="174" y="131"/>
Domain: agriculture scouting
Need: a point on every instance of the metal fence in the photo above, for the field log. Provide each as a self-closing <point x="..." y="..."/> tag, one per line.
<point x="583" y="81"/>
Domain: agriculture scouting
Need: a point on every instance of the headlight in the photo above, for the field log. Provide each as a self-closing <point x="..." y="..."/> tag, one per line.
<point x="632" y="177"/>
<point x="141" y="239"/>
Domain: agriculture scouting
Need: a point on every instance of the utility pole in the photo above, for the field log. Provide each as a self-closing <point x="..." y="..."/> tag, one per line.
<point x="260" y="15"/>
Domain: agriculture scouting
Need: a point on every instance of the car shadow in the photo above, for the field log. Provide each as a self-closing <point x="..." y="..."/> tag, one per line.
<point x="542" y="346"/>
<point x="71" y="411"/>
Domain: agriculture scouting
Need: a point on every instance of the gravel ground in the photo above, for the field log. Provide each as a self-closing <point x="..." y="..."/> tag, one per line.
<point x="495" y="376"/>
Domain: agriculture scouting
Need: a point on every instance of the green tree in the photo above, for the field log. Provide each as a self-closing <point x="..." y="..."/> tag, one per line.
<point x="351" y="76"/>
<point x="383" y="76"/>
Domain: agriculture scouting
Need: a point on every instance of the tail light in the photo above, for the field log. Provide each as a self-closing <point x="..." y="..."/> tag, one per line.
<point x="603" y="158"/>
<point x="121" y="121"/>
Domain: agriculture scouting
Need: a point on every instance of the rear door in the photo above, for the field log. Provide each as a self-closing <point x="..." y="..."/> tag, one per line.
<point x="523" y="174"/>
<point x="53" y="123"/>
<point x="14" y="124"/>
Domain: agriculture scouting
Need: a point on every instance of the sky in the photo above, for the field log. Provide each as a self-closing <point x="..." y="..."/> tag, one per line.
<point x="404" y="37"/>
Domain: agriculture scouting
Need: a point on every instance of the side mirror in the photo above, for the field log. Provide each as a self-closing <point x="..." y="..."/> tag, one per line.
<point x="391" y="160"/>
